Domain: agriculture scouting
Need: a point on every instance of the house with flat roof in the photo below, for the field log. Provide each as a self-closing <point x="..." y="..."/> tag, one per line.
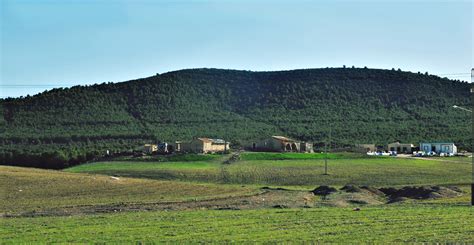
<point x="439" y="147"/>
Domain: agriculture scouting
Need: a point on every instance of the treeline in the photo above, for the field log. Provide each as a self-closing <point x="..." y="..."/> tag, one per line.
<point x="58" y="155"/>
<point x="56" y="159"/>
<point x="353" y="105"/>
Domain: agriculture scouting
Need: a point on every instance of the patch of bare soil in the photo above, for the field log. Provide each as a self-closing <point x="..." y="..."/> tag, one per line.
<point x="324" y="190"/>
<point x="351" y="195"/>
<point x="420" y="192"/>
<point x="366" y="195"/>
<point x="351" y="188"/>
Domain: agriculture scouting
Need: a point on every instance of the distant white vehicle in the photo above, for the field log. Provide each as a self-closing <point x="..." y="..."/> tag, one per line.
<point x="418" y="154"/>
<point x="382" y="153"/>
<point x="431" y="154"/>
<point x="379" y="153"/>
<point x="449" y="154"/>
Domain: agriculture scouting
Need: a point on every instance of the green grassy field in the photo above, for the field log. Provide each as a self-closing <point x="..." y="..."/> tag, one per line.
<point x="378" y="171"/>
<point x="178" y="201"/>
<point x="295" y="156"/>
<point x="172" y="158"/>
<point x="341" y="225"/>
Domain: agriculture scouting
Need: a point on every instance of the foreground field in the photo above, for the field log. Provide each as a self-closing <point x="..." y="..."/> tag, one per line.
<point x="200" y="199"/>
<point x="295" y="172"/>
<point x="34" y="190"/>
<point x="389" y="224"/>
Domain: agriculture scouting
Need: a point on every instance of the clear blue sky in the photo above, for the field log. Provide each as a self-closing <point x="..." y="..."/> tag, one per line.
<point x="54" y="43"/>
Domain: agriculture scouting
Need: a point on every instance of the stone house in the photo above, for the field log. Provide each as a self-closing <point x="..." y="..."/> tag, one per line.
<point x="281" y="144"/>
<point x="150" y="148"/>
<point x="202" y="145"/>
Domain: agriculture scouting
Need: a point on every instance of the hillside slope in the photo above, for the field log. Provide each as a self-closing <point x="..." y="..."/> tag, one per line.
<point x="356" y="105"/>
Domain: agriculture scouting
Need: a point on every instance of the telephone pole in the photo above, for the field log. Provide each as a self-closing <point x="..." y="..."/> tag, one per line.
<point x="472" y="139"/>
<point x="328" y="142"/>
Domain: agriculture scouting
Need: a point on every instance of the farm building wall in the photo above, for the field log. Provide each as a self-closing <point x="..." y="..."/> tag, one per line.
<point x="203" y="145"/>
<point x="279" y="144"/>
<point x="400" y="147"/>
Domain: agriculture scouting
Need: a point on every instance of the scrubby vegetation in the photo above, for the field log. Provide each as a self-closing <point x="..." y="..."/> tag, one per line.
<point x="63" y="127"/>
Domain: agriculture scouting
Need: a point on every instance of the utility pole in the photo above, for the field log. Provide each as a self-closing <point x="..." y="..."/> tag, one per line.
<point x="472" y="139"/>
<point x="472" y="142"/>
<point x="326" y="150"/>
<point x="472" y="133"/>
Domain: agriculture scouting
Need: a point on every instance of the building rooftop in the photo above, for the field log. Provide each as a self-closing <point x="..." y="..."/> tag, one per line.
<point x="214" y="141"/>
<point x="398" y="142"/>
<point x="427" y="142"/>
<point x="283" y="138"/>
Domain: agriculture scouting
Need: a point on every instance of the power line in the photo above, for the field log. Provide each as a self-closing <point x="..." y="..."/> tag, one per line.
<point x="37" y="85"/>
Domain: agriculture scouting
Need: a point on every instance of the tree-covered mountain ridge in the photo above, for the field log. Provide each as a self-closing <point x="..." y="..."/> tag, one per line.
<point x="357" y="105"/>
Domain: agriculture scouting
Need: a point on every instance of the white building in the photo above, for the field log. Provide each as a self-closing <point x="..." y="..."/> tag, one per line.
<point x="438" y="147"/>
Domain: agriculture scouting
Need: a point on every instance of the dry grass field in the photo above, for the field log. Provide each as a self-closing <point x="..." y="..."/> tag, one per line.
<point x="34" y="190"/>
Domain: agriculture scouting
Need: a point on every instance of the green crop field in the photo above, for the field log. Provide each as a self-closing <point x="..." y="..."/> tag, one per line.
<point x="389" y="224"/>
<point x="295" y="156"/>
<point x="378" y="171"/>
<point x="179" y="199"/>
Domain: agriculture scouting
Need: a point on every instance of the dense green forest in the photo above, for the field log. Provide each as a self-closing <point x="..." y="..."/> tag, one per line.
<point x="66" y="126"/>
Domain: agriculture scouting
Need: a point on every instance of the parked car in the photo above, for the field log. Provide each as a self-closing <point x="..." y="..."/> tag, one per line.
<point x="431" y="154"/>
<point x="382" y="153"/>
<point x="447" y="154"/>
<point x="418" y="154"/>
<point x="392" y="153"/>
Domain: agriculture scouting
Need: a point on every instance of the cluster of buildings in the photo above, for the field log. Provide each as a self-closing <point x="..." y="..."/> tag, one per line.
<point x="285" y="144"/>
<point x="409" y="148"/>
<point x="209" y="145"/>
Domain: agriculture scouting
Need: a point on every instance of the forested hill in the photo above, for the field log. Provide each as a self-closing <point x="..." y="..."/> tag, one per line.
<point x="358" y="105"/>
